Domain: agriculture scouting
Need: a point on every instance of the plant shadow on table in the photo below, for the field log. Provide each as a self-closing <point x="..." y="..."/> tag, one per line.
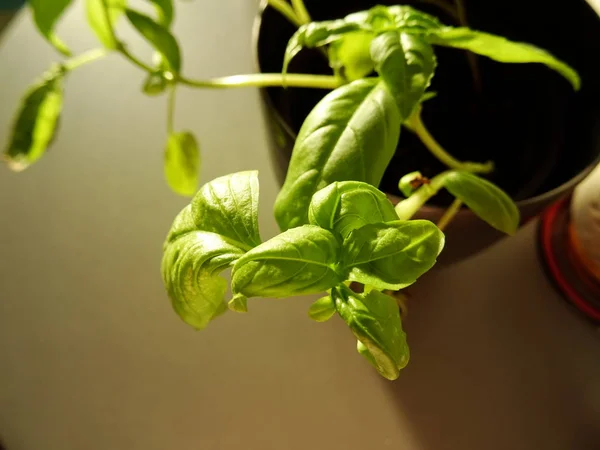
<point x="501" y="362"/>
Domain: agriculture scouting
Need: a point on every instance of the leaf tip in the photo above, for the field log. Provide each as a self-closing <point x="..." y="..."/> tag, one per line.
<point x="239" y="303"/>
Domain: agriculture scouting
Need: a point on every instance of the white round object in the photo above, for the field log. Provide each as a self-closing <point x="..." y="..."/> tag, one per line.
<point x="585" y="219"/>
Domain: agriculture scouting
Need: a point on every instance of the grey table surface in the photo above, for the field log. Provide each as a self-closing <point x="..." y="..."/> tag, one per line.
<point x="92" y="356"/>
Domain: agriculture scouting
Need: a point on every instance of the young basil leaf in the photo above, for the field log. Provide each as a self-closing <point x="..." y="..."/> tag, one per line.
<point x="350" y="135"/>
<point x="239" y="303"/>
<point x="97" y="19"/>
<point x="485" y="199"/>
<point x="164" y="12"/>
<point x="191" y="264"/>
<point x="45" y="15"/>
<point x="407" y="183"/>
<point x="229" y="206"/>
<point x="182" y="163"/>
<point x="322" y="310"/>
<point x="36" y="121"/>
<point x="346" y="205"/>
<point x="159" y="36"/>
<point x="406" y="63"/>
<point x="410" y="20"/>
<point x="198" y="247"/>
<point x="349" y="56"/>
<point x="299" y="261"/>
<point x="501" y="49"/>
<point x="318" y="34"/>
<point x="392" y="255"/>
<point x="374" y="319"/>
<point x="155" y="84"/>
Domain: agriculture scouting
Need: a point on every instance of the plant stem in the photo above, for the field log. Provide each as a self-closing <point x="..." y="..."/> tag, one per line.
<point x="171" y="108"/>
<point x="409" y="207"/>
<point x="301" y="11"/>
<point x="471" y="57"/>
<point x="286" y="10"/>
<point x="416" y="124"/>
<point x="265" y="80"/>
<point x="449" y="214"/>
<point x="84" y="58"/>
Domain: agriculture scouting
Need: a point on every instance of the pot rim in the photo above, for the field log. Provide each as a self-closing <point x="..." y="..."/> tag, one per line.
<point x="540" y="198"/>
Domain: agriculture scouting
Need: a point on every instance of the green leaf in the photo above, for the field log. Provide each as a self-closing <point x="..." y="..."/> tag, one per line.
<point x="346" y="205"/>
<point x="239" y="303"/>
<point x="410" y="20"/>
<point x="374" y="319"/>
<point x="299" y="261"/>
<point x="406" y="63"/>
<point x="97" y="19"/>
<point x="45" y="15"/>
<point x="392" y="255"/>
<point x="158" y="36"/>
<point x="229" y="206"/>
<point x="198" y="247"/>
<point x="36" y="121"/>
<point x="350" y="135"/>
<point x="501" y="49"/>
<point x="485" y="199"/>
<point x="155" y="84"/>
<point x="319" y="34"/>
<point x="182" y="163"/>
<point x="322" y="310"/>
<point x="349" y="56"/>
<point x="164" y="12"/>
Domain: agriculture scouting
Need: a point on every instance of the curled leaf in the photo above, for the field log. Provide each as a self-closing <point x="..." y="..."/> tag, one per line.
<point x="299" y="261"/>
<point x="182" y="163"/>
<point x="374" y="319"/>
<point x="36" y="121"/>
<point x="198" y="247"/>
<point x="346" y="205"/>
<point x="45" y="15"/>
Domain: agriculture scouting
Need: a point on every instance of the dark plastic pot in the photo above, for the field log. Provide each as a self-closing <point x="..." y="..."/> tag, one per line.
<point x="543" y="137"/>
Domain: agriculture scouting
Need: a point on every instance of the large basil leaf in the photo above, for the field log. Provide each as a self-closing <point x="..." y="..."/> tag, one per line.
<point x="198" y="247"/>
<point x="45" y="15"/>
<point x="299" y="261"/>
<point x="485" y="199"/>
<point x="406" y="63"/>
<point x="229" y="206"/>
<point x="350" y="135"/>
<point x="36" y="121"/>
<point x="159" y="36"/>
<point x="374" y="319"/>
<point x="182" y="163"/>
<point x="96" y="17"/>
<point x="392" y="255"/>
<point x="410" y="20"/>
<point x="349" y="56"/>
<point x="501" y="49"/>
<point x="346" y="205"/>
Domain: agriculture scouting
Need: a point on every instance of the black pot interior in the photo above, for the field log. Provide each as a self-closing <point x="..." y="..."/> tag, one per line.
<point x="526" y="118"/>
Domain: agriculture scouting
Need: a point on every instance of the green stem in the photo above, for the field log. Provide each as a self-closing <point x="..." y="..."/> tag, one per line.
<point x="409" y="207"/>
<point x="265" y="80"/>
<point x="301" y="11"/>
<point x="171" y="108"/>
<point x="84" y="58"/>
<point x="286" y="10"/>
<point x="449" y="214"/>
<point x="416" y="124"/>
